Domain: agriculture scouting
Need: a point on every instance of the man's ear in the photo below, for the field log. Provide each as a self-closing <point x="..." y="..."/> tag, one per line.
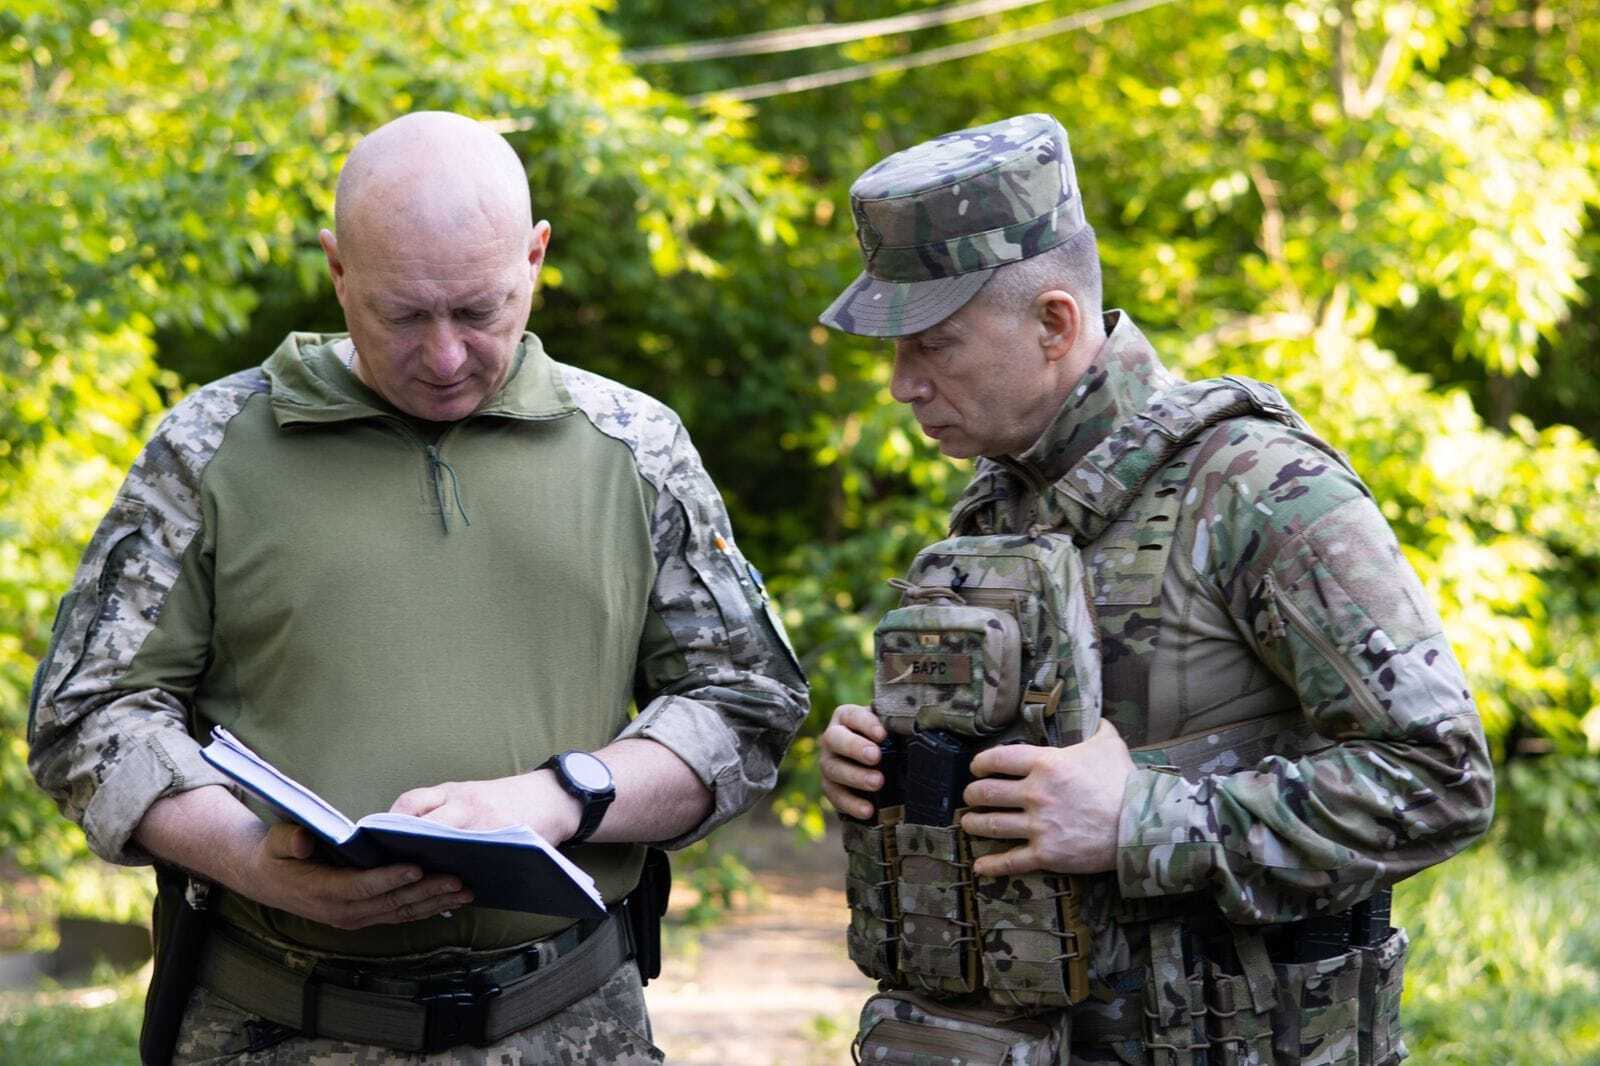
<point x="538" y="245"/>
<point x="1060" y="322"/>
<point x="330" y="248"/>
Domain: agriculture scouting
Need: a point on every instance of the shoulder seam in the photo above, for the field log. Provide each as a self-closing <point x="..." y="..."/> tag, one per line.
<point x="633" y="418"/>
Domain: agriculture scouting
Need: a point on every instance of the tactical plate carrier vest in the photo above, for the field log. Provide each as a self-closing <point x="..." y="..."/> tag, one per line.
<point x="995" y="642"/>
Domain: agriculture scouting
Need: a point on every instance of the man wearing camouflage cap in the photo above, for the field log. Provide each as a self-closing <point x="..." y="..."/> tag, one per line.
<point x="1286" y="731"/>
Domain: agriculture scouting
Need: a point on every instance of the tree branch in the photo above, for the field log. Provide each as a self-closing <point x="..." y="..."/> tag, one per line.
<point x="1272" y="231"/>
<point x="1393" y="50"/>
<point x="1255" y="329"/>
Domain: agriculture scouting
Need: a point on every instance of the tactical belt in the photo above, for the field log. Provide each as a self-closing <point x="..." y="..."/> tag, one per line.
<point x="415" y="1010"/>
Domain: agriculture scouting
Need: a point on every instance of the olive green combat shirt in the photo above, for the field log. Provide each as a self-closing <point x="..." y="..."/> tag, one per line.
<point x="374" y="605"/>
<point x="1251" y="576"/>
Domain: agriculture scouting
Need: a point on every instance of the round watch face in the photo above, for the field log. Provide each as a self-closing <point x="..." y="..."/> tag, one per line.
<point x="586" y="771"/>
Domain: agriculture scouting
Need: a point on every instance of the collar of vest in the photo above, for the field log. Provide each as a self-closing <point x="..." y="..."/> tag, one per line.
<point x="1101" y="485"/>
<point x="310" y="385"/>
<point x="1125" y="420"/>
<point x="1118" y="384"/>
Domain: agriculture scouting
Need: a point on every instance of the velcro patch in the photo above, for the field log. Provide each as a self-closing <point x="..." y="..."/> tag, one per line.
<point x="900" y="668"/>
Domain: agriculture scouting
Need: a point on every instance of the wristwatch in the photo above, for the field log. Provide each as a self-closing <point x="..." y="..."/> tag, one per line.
<point x="588" y="780"/>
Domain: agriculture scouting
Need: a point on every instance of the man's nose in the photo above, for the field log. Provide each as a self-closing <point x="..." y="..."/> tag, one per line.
<point x="906" y="384"/>
<point x="443" y="352"/>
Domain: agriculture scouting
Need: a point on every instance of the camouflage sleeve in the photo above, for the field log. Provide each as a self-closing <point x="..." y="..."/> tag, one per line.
<point x="1292" y="548"/>
<point x="718" y="682"/>
<point x="106" y="742"/>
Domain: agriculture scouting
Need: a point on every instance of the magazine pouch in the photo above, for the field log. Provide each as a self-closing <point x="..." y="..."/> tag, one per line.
<point x="1317" y="1019"/>
<point x="1382" y="974"/>
<point x="938" y="928"/>
<point x="906" y="1029"/>
<point x="1034" y="943"/>
<point x="874" y="931"/>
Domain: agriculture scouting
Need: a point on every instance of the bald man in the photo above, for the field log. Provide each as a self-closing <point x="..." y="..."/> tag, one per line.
<point x="420" y="567"/>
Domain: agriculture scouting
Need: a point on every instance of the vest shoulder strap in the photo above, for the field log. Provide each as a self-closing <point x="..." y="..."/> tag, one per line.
<point x="1101" y="485"/>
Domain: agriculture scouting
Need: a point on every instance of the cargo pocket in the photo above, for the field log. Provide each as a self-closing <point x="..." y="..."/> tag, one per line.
<point x="1382" y="975"/>
<point x="1033" y="941"/>
<point x="1316" y="1020"/>
<point x="904" y="1029"/>
<point x="874" y="932"/>
<point x="938" y="933"/>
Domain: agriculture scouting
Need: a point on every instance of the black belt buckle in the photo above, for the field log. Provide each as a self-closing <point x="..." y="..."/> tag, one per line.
<point x="456" y="1015"/>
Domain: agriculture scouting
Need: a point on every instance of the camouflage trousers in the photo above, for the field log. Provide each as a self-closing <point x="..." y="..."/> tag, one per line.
<point x="608" y="1026"/>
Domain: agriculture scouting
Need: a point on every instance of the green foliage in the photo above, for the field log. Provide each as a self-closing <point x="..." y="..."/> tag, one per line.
<point x="68" y="1027"/>
<point x="1389" y="210"/>
<point x="1505" y="963"/>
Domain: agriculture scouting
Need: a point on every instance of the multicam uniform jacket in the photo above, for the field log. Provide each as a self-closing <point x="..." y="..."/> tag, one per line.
<point x="375" y="605"/>
<point x="1251" y="575"/>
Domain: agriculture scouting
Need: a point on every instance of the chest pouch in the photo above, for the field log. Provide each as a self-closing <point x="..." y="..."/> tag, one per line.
<point x="993" y="643"/>
<point x="943" y="663"/>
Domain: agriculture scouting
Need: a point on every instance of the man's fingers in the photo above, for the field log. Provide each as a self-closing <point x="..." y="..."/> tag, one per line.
<point x="849" y="774"/>
<point x="846" y="802"/>
<point x="408" y="904"/>
<point x="861" y="720"/>
<point x="1009" y="760"/>
<point x="419" y="801"/>
<point x="849" y="744"/>
<point x="376" y="882"/>
<point x="1010" y="863"/>
<point x="995" y="792"/>
<point x="997" y="826"/>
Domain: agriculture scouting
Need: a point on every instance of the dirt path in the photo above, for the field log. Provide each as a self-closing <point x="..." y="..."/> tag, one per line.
<point x="771" y="984"/>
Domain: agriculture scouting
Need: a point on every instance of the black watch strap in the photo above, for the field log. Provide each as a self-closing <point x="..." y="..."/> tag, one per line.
<point x="593" y="797"/>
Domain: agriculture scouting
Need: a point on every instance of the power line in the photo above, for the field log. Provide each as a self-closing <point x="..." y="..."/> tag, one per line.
<point x="842" y="75"/>
<point x="797" y="37"/>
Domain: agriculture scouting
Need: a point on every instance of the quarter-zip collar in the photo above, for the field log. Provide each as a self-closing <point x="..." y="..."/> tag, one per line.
<point x="310" y="385"/>
<point x="1124" y="375"/>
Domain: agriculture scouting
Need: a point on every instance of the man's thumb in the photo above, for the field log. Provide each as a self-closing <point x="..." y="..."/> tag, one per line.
<point x="285" y="841"/>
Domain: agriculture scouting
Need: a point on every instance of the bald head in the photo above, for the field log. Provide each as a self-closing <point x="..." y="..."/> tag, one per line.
<point x="428" y="177"/>
<point x="434" y="261"/>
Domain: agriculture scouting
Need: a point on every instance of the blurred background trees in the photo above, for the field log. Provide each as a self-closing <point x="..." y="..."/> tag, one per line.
<point x="1391" y="210"/>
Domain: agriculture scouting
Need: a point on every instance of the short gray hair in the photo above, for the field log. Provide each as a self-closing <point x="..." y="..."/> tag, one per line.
<point x="1073" y="265"/>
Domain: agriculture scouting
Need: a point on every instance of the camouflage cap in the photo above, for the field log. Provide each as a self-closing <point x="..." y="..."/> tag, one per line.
<point x="935" y="220"/>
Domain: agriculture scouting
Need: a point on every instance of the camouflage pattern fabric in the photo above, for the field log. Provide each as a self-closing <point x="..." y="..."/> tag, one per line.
<point x="907" y="1029"/>
<point x="1251" y="575"/>
<point x="873" y="936"/>
<point x="609" y="1026"/>
<point x="1034" y="943"/>
<point x="104" y="753"/>
<point x="935" y="220"/>
<point x="938" y="934"/>
<point x="1382" y="981"/>
<point x="1315" y="1023"/>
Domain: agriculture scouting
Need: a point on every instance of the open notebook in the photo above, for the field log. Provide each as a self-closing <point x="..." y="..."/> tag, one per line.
<point x="511" y="868"/>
